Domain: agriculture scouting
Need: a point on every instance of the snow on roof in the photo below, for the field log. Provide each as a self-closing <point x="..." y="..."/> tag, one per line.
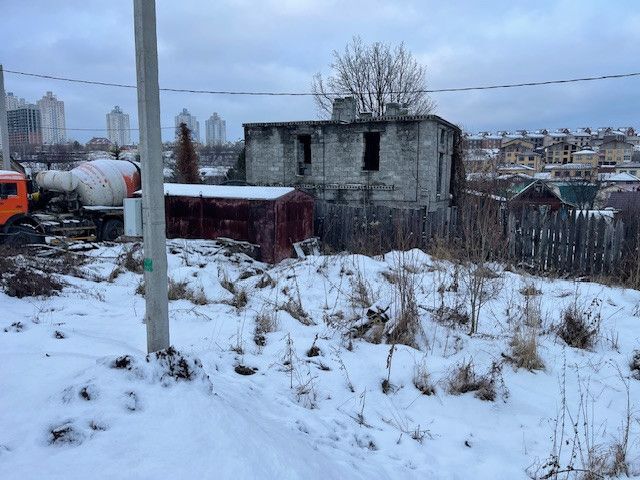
<point x="225" y="191"/>
<point x="607" y="213"/>
<point x="628" y="165"/>
<point x="509" y="167"/>
<point x="584" y="152"/>
<point x="542" y="175"/>
<point x="570" y="166"/>
<point x="11" y="174"/>
<point x="218" y="170"/>
<point x="618" y="177"/>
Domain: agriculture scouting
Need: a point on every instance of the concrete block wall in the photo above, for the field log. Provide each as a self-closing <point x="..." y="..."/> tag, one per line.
<point x="409" y="153"/>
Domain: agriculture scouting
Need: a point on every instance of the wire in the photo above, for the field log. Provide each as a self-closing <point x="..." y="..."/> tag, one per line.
<point x="103" y="129"/>
<point x="301" y="94"/>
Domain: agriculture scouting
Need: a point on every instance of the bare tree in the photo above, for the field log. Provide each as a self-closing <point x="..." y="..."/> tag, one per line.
<point x="374" y="74"/>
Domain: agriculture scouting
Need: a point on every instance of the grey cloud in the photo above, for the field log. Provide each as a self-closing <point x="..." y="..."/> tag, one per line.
<point x="279" y="45"/>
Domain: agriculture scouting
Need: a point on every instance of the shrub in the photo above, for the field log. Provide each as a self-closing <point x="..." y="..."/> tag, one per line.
<point x="464" y="379"/>
<point x="240" y="299"/>
<point x="524" y="350"/>
<point x="265" y="323"/>
<point x="266" y="281"/>
<point x="360" y="292"/>
<point x="422" y="380"/>
<point x="66" y="434"/>
<point x="295" y="309"/>
<point x="28" y="282"/>
<point x="455" y="316"/>
<point x="634" y="365"/>
<point x="132" y="260"/>
<point x="177" y="290"/>
<point x="579" y="328"/>
<point x="227" y="284"/>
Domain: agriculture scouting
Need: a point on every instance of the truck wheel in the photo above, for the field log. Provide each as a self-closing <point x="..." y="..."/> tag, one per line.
<point x="112" y="229"/>
<point x="21" y="235"/>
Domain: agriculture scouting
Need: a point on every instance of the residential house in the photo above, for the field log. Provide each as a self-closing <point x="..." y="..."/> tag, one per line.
<point x="559" y="153"/>
<point x="615" y="151"/>
<point x="396" y="159"/>
<point x="586" y="156"/>
<point x="510" y="150"/>
<point x="572" y="171"/>
<point x="539" y="194"/>
<point x="632" y="168"/>
<point x="530" y="159"/>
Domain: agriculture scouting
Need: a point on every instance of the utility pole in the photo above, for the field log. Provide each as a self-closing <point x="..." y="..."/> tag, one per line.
<point x="4" y="129"/>
<point x="153" y="226"/>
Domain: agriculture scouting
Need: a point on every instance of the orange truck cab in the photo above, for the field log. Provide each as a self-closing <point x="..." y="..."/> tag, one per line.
<point x="16" y="225"/>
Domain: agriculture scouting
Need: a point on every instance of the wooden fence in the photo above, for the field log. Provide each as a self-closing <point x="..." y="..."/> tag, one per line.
<point x="563" y="242"/>
<point x="570" y="242"/>
<point x="378" y="229"/>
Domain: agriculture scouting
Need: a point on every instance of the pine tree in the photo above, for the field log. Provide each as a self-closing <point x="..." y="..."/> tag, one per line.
<point x="186" y="169"/>
<point x="116" y="151"/>
<point x="239" y="171"/>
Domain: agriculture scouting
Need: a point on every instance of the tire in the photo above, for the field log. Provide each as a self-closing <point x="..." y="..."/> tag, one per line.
<point x="112" y="229"/>
<point x="21" y="235"/>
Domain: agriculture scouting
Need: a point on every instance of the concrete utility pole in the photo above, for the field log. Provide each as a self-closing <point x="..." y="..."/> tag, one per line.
<point x="153" y="226"/>
<point x="4" y="129"/>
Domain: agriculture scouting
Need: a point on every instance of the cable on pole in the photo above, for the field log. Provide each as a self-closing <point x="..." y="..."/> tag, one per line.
<point x="303" y="94"/>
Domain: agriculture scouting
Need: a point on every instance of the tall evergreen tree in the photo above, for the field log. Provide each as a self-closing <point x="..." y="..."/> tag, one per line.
<point x="239" y="171"/>
<point x="186" y="169"/>
<point x="116" y="151"/>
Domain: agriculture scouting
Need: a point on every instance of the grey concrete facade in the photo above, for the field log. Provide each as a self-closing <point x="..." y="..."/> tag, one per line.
<point x="414" y="152"/>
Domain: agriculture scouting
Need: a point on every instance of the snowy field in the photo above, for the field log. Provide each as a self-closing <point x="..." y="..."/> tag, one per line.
<point x="278" y="375"/>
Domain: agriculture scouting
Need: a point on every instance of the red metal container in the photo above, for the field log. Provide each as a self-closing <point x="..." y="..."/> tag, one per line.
<point x="272" y="217"/>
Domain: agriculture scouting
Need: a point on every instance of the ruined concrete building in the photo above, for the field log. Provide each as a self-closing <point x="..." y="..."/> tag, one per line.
<point x="396" y="160"/>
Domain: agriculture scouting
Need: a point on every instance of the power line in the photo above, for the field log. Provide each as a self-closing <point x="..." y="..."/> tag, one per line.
<point x="302" y="94"/>
<point x="103" y="129"/>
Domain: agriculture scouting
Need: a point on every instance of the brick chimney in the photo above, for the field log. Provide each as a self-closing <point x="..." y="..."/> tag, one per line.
<point x="392" y="109"/>
<point x="344" y="109"/>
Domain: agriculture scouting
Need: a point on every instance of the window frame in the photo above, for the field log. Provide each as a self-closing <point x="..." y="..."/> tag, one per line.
<point x="371" y="151"/>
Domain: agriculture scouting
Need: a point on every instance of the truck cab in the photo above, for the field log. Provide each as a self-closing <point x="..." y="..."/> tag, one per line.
<point x="13" y="196"/>
<point x="15" y="223"/>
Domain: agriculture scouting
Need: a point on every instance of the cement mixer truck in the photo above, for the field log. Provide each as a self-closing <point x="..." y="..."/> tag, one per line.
<point x="83" y="203"/>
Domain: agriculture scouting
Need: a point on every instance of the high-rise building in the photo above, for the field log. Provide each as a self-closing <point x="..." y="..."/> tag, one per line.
<point x="216" y="130"/>
<point x="24" y="126"/>
<point x="118" y="130"/>
<point x="14" y="102"/>
<point x="53" y="122"/>
<point x="191" y="122"/>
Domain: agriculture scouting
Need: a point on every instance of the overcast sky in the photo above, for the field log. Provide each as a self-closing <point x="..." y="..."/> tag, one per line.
<point x="279" y="44"/>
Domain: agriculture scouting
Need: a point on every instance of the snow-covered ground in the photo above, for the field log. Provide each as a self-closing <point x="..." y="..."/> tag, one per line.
<point x="67" y="412"/>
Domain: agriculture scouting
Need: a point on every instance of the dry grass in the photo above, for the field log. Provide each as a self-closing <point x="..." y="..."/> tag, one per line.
<point x="23" y="282"/>
<point x="266" y="322"/>
<point x="179" y="290"/>
<point x="115" y="273"/>
<point x="266" y="281"/>
<point x="295" y="309"/>
<point x="580" y="328"/>
<point x="464" y="379"/>
<point x="240" y="299"/>
<point x="422" y="380"/>
<point x="529" y="290"/>
<point x="453" y="317"/>
<point x="132" y="259"/>
<point x="360" y="292"/>
<point x="634" y="365"/>
<point x="227" y="284"/>
<point x="524" y="350"/>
